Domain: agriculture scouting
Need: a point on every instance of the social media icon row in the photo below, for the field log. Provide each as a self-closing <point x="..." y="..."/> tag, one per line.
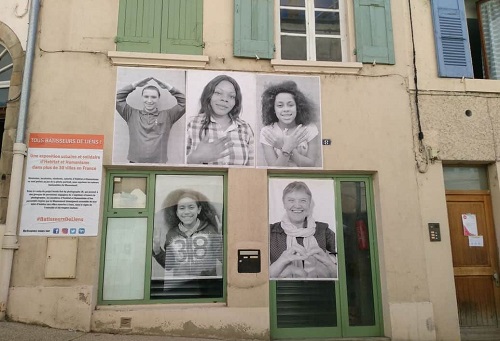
<point x="72" y="230"/>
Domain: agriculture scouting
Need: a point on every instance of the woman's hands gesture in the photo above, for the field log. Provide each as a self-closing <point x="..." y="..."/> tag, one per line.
<point x="207" y="151"/>
<point x="291" y="140"/>
<point x="325" y="265"/>
<point x="283" y="267"/>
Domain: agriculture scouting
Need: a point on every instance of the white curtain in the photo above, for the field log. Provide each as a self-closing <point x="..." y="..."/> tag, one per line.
<point x="490" y="22"/>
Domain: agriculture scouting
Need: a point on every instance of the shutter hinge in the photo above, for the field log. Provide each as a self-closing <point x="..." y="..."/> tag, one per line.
<point x="274" y="47"/>
<point x="118" y="39"/>
<point x="355" y="51"/>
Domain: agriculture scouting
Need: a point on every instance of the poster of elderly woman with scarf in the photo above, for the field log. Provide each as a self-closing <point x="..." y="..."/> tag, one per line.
<point x="302" y="229"/>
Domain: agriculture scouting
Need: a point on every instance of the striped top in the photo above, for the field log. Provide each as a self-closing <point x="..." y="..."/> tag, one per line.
<point x="240" y="133"/>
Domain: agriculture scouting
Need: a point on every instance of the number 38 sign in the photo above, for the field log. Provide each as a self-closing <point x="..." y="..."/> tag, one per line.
<point x="196" y="255"/>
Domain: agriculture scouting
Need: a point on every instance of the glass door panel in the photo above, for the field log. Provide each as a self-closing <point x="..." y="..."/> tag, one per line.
<point x="357" y="255"/>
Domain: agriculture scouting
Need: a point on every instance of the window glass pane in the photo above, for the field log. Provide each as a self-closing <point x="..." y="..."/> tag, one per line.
<point x="328" y="49"/>
<point x="327" y="23"/>
<point x="188" y="237"/>
<point x="302" y="304"/>
<point x="294" y="3"/>
<point x="5" y="64"/>
<point x="3" y="97"/>
<point x="465" y="178"/>
<point x="6" y="74"/>
<point x="129" y="192"/>
<point x="125" y="259"/>
<point x="357" y="254"/>
<point x="293" y="21"/>
<point x="332" y="4"/>
<point x="293" y="48"/>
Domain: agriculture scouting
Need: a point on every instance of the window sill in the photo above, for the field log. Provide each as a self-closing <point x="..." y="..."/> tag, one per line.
<point x="481" y="85"/>
<point x="158" y="306"/>
<point x="303" y="66"/>
<point x="157" y="59"/>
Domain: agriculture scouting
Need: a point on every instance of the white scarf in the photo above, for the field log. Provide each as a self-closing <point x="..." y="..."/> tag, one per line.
<point x="191" y="231"/>
<point x="292" y="232"/>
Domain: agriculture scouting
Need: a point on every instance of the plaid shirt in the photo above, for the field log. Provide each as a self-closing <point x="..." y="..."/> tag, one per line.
<point x="240" y="133"/>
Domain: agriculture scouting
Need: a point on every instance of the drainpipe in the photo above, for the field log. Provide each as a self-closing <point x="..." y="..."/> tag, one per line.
<point x="10" y="243"/>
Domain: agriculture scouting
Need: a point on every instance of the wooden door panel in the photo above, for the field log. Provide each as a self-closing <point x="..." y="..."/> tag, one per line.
<point x="476" y="301"/>
<point x="478" y="298"/>
<point x="463" y="254"/>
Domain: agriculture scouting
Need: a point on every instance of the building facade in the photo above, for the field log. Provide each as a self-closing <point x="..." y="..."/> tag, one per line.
<point x="140" y="108"/>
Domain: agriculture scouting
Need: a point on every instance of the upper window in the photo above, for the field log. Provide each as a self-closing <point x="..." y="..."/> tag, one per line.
<point x="483" y="20"/>
<point x="5" y="75"/>
<point x="467" y="38"/>
<point x="161" y="26"/>
<point x="312" y="30"/>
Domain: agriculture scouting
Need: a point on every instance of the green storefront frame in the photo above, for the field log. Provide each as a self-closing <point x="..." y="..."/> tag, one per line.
<point x="148" y="213"/>
<point x="344" y="326"/>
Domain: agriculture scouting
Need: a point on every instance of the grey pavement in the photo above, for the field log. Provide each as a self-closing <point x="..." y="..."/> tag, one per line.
<point x="14" y="331"/>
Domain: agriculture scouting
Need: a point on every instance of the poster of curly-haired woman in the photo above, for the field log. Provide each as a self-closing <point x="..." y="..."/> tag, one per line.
<point x="290" y="122"/>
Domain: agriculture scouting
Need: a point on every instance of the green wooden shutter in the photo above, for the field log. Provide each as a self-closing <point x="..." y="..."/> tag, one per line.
<point x="374" y="41"/>
<point x="182" y="29"/>
<point x="253" y="28"/>
<point x="139" y="26"/>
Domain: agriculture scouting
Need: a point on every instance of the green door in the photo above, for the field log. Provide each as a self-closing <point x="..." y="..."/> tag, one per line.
<point x="349" y="306"/>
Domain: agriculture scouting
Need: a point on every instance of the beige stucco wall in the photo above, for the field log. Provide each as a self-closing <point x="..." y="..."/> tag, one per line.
<point x="459" y="139"/>
<point x="369" y="120"/>
<point x="15" y="14"/>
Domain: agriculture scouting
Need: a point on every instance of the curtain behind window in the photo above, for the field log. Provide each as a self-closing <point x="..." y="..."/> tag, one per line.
<point x="490" y="24"/>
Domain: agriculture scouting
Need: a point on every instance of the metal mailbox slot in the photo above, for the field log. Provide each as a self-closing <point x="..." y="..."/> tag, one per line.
<point x="248" y="261"/>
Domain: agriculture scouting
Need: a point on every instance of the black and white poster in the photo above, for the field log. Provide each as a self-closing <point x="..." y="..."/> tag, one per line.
<point x="302" y="243"/>
<point x="149" y="116"/>
<point x="187" y="233"/>
<point x="290" y="122"/>
<point x="220" y="118"/>
<point x="202" y="118"/>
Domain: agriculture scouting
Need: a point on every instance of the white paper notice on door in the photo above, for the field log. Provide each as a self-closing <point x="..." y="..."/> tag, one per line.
<point x="469" y="223"/>
<point x="476" y="241"/>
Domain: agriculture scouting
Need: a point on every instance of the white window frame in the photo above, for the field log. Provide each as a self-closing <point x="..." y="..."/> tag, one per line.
<point x="5" y="84"/>
<point x="311" y="26"/>
<point x="348" y="65"/>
